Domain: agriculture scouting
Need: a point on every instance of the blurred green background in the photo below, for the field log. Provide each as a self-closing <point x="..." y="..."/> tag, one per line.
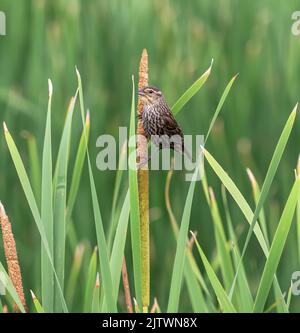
<point x="104" y="39"/>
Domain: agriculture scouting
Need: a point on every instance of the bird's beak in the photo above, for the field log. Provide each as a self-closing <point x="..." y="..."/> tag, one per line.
<point x="141" y="92"/>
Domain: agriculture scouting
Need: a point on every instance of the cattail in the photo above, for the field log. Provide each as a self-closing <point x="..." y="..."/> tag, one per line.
<point x="11" y="256"/>
<point x="143" y="186"/>
<point x="126" y="287"/>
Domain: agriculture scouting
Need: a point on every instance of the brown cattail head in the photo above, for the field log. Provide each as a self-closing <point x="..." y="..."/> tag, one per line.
<point x="142" y="146"/>
<point x="11" y="256"/>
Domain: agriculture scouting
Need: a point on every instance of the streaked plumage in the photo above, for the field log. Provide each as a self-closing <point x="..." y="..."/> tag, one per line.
<point x="158" y="121"/>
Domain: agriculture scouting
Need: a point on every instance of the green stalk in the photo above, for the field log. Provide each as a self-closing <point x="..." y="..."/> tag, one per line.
<point x="47" y="213"/>
<point x="59" y="195"/>
<point x="298" y="213"/>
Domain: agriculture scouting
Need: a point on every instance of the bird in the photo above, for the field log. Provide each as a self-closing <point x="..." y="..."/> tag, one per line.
<point x="158" y="122"/>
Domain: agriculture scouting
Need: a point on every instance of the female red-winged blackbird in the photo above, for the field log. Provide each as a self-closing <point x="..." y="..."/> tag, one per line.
<point x="158" y="121"/>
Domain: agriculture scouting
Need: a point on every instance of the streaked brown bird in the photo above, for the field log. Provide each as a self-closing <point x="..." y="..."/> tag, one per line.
<point x="158" y="121"/>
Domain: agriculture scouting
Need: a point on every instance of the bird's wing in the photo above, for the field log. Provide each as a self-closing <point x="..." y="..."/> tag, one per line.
<point x="171" y="126"/>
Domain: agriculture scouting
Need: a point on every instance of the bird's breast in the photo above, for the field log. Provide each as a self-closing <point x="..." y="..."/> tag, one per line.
<point x="151" y="120"/>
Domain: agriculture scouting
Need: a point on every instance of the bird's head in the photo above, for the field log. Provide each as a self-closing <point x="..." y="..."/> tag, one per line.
<point x="150" y="95"/>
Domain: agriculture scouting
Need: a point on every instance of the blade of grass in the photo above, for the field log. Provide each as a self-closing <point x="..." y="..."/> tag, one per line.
<point x="23" y="177"/>
<point x="280" y="147"/>
<point x="191" y="91"/>
<point x="118" y="247"/>
<point x="298" y="214"/>
<point x="101" y="241"/>
<point x="119" y="174"/>
<point x="37" y="304"/>
<point x="119" y="244"/>
<point x="194" y="290"/>
<point x="242" y="203"/>
<point x="96" y="296"/>
<point x="263" y="224"/>
<point x="179" y="262"/>
<point x="47" y="212"/>
<point x="222" y="297"/>
<point x="134" y="206"/>
<point x="90" y="283"/>
<point x="276" y="248"/>
<point x="35" y="169"/>
<point x="222" y="245"/>
<point x="59" y="195"/>
<point x="289" y="297"/>
<point x="246" y="299"/>
<point x="9" y="287"/>
<point x="78" y="167"/>
<point x="256" y="194"/>
<point x="73" y="277"/>
<point x="219" y="107"/>
<point x="192" y="274"/>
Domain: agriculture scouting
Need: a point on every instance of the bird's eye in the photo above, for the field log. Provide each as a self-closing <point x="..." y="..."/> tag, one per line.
<point x="150" y="91"/>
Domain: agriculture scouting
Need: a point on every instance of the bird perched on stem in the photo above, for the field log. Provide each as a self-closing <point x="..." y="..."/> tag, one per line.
<point x="159" y="124"/>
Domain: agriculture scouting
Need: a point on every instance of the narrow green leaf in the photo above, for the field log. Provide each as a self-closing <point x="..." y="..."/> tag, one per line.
<point x="194" y="290"/>
<point x="256" y="194"/>
<point x="73" y="277"/>
<point x="35" y="166"/>
<point x="243" y="205"/>
<point x="298" y="213"/>
<point x="59" y="195"/>
<point x="289" y="297"/>
<point x="280" y="147"/>
<point x="90" y="283"/>
<point x="245" y="298"/>
<point x="222" y="244"/>
<point x="262" y="221"/>
<point x="101" y="241"/>
<point x="78" y="167"/>
<point x="119" y="244"/>
<point x="179" y="261"/>
<point x="96" y="296"/>
<point x="23" y="177"/>
<point x="191" y="91"/>
<point x="119" y="173"/>
<point x="37" y="304"/>
<point x="192" y="275"/>
<point x="9" y="287"/>
<point x="47" y="213"/>
<point x="134" y="204"/>
<point x="119" y="247"/>
<point x="222" y="297"/>
<point x="219" y="107"/>
<point x="237" y="196"/>
<point x="276" y="248"/>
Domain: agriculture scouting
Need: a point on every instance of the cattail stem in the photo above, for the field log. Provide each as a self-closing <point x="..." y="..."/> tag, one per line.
<point x="126" y="287"/>
<point x="143" y="185"/>
<point x="11" y="256"/>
